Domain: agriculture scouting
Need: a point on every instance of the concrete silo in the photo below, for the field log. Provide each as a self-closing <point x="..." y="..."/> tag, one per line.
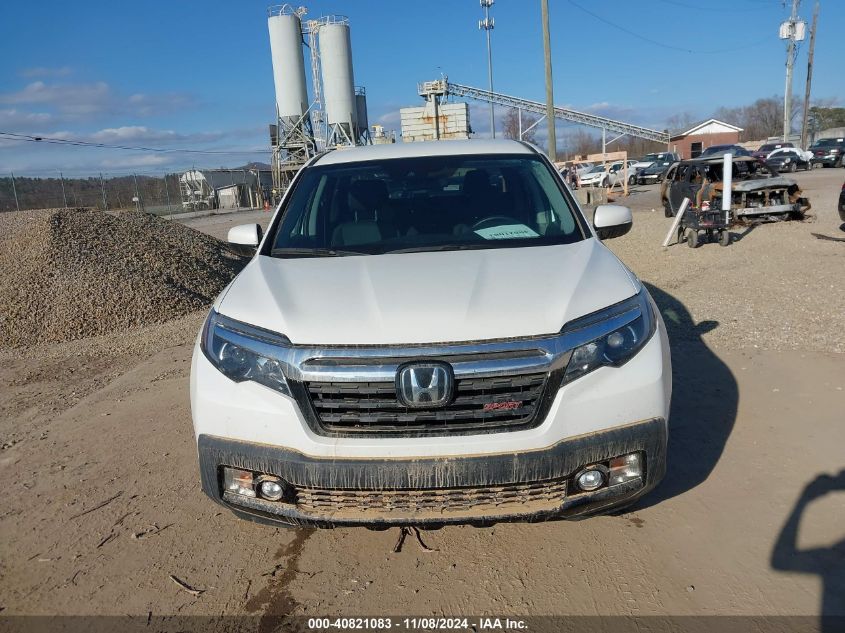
<point x="292" y="135"/>
<point x="338" y="81"/>
<point x="288" y="62"/>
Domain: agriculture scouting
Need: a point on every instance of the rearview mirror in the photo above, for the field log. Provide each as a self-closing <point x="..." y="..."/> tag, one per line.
<point x="612" y="220"/>
<point x="244" y="238"/>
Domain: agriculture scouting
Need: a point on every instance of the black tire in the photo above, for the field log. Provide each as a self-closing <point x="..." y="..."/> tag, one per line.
<point x="793" y="168"/>
<point x="632" y="180"/>
<point x="692" y="238"/>
<point x="724" y="238"/>
<point x="667" y="209"/>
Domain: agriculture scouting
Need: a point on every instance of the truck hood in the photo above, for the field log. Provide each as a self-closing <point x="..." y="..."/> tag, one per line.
<point x="433" y="297"/>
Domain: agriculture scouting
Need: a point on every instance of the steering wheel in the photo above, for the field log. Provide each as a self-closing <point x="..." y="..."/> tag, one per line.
<point x="493" y="220"/>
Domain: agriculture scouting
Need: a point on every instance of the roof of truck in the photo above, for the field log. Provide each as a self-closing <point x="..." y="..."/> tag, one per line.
<point x="427" y="148"/>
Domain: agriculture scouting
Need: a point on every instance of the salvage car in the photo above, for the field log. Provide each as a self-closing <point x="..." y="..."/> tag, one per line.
<point x="764" y="150"/>
<point x="828" y="152"/>
<point x="721" y="150"/>
<point x="788" y="159"/>
<point x="757" y="194"/>
<point x="392" y="353"/>
<point x="606" y="175"/>
<point x="596" y="176"/>
<point x="656" y="157"/>
<point x="654" y="173"/>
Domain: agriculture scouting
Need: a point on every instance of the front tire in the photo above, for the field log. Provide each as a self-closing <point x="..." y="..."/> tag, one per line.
<point x="724" y="238"/>
<point x="692" y="238"/>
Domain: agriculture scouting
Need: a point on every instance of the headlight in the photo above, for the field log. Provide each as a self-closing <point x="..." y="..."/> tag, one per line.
<point x="243" y="352"/>
<point x="620" y="332"/>
<point x="786" y="160"/>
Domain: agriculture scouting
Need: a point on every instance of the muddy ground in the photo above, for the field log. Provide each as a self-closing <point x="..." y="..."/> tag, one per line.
<point x="102" y="504"/>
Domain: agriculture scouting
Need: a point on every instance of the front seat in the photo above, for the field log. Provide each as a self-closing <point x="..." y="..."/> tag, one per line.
<point x="360" y="225"/>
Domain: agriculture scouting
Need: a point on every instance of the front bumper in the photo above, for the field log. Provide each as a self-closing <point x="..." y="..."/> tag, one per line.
<point x="432" y="491"/>
<point x="649" y="179"/>
<point x="829" y="160"/>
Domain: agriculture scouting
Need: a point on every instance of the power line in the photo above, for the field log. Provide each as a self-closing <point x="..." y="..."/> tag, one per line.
<point x="13" y="136"/>
<point x="659" y="43"/>
<point x="711" y="9"/>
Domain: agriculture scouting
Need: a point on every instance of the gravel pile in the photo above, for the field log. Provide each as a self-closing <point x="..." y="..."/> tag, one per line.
<point x="73" y="273"/>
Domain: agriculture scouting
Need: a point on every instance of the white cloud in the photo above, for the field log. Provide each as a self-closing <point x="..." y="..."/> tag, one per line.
<point x="45" y="71"/>
<point x="74" y="101"/>
<point x="140" y="133"/>
<point x="147" y="160"/>
<point x="13" y="118"/>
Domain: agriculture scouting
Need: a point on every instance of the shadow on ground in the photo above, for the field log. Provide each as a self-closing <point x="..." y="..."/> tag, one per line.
<point x="704" y="402"/>
<point x="826" y="562"/>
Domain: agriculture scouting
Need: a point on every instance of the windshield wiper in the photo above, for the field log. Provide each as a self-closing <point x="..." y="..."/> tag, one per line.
<point x="441" y="247"/>
<point x="313" y="252"/>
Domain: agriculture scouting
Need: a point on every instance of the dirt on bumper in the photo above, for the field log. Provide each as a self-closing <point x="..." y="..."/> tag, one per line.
<point x="433" y="491"/>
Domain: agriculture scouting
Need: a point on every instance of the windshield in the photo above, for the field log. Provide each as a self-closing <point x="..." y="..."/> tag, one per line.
<point x="425" y="204"/>
<point x="597" y="169"/>
<point x="826" y="142"/>
<point x="717" y="149"/>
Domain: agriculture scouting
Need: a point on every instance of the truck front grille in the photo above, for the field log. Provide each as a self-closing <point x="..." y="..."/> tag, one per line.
<point x="479" y="404"/>
<point x="511" y="498"/>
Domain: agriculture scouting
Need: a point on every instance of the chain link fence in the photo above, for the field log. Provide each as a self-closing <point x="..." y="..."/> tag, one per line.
<point x="161" y="194"/>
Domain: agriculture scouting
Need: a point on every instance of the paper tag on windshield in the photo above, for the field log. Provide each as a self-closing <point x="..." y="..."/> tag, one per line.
<point x="506" y="232"/>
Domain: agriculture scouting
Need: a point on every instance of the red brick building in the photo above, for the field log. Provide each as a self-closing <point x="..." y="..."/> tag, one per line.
<point x="690" y="143"/>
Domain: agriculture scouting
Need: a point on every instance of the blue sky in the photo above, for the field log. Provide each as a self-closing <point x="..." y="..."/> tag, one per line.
<point x="198" y="75"/>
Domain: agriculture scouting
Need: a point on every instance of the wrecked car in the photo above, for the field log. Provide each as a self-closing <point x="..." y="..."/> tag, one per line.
<point x="828" y="152"/>
<point x="757" y="193"/>
<point x="654" y="173"/>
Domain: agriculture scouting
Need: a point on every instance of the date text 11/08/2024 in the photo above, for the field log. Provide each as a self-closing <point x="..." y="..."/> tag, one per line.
<point x="424" y="623"/>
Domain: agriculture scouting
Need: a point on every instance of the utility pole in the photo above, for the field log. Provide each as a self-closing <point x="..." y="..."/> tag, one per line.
<point x="550" y="100"/>
<point x="167" y="193"/>
<point x="103" y="190"/>
<point x="790" y="62"/>
<point x="64" y="197"/>
<point x="137" y="198"/>
<point x="487" y="25"/>
<point x="15" y="191"/>
<point x="804" y="138"/>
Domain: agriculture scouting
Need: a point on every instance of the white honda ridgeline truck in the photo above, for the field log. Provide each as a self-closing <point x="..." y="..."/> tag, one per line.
<point x="431" y="333"/>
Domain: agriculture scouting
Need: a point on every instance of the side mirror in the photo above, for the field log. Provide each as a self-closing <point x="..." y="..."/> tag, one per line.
<point x="612" y="220"/>
<point x="245" y="238"/>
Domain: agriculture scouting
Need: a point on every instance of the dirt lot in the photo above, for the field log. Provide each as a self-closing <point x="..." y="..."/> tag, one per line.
<point x="102" y="503"/>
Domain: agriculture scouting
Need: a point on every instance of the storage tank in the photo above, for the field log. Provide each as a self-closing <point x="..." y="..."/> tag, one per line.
<point x="361" y="110"/>
<point x="338" y="80"/>
<point x="288" y="63"/>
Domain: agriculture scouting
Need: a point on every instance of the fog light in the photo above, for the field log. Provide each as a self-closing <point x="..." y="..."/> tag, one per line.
<point x="590" y="479"/>
<point x="238" y="482"/>
<point x="625" y="468"/>
<point x="272" y="489"/>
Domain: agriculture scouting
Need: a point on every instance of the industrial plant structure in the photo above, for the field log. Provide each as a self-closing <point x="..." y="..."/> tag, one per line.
<point x="436" y="120"/>
<point x="248" y="187"/>
<point x="336" y="115"/>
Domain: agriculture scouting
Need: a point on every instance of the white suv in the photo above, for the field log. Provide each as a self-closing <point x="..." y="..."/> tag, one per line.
<point x="403" y="351"/>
